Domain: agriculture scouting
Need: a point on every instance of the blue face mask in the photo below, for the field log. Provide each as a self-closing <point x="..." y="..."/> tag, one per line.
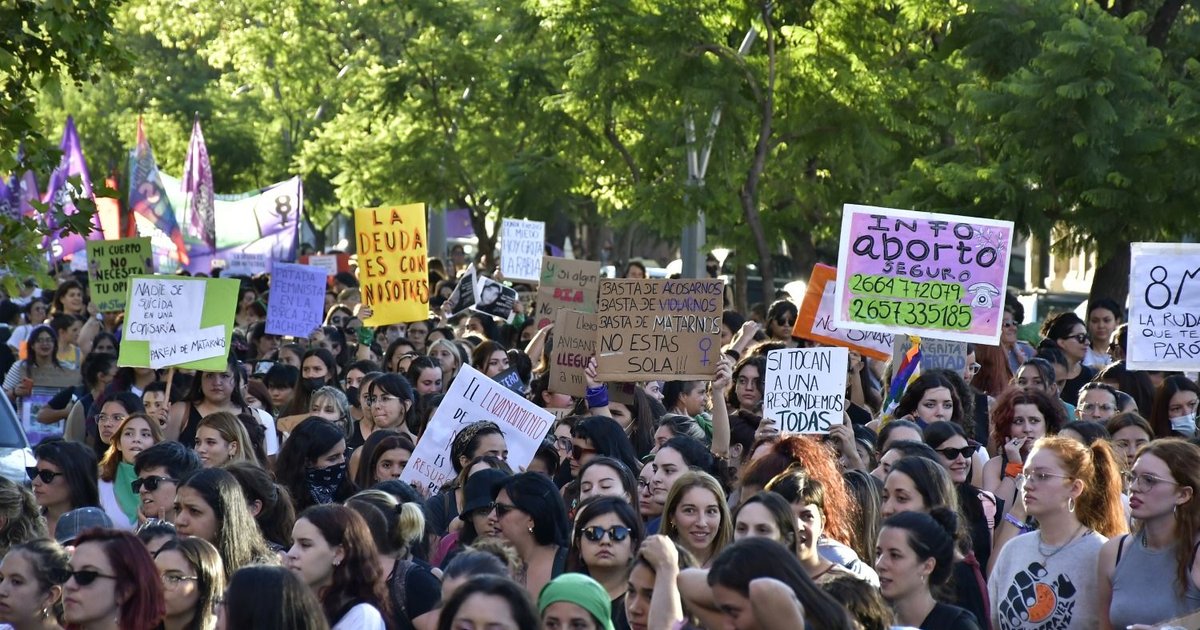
<point x="1185" y="425"/>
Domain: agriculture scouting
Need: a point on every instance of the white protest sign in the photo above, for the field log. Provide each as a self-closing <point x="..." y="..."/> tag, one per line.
<point x="328" y="262"/>
<point x="522" y="244"/>
<point x="474" y="397"/>
<point x="162" y="308"/>
<point x="296" y="304"/>
<point x="1164" y="307"/>
<point x="805" y="389"/>
<point x="247" y="264"/>
<point x="188" y="346"/>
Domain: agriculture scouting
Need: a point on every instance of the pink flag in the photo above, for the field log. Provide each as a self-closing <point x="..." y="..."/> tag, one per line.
<point x="198" y="186"/>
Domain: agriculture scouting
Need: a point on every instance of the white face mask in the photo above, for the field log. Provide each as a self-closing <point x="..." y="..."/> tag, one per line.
<point x="1184" y="424"/>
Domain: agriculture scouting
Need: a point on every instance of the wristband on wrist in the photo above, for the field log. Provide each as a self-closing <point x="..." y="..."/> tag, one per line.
<point x="597" y="397"/>
<point x="1012" y="469"/>
<point x="1019" y="525"/>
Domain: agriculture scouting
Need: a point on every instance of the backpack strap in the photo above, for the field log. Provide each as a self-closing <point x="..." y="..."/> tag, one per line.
<point x="1121" y="548"/>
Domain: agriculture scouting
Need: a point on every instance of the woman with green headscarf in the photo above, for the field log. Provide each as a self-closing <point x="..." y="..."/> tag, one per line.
<point x="574" y="600"/>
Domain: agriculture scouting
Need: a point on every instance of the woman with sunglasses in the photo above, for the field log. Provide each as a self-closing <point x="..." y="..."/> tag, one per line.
<point x="529" y="513"/>
<point x="31" y="577"/>
<point x="607" y="536"/>
<point x="476" y="516"/>
<point x="113" y="584"/>
<point x="474" y="440"/>
<point x="117" y="473"/>
<point x="1068" y="333"/>
<point x="978" y="507"/>
<point x="63" y="479"/>
<point x="600" y="436"/>
<point x="1049" y="578"/>
<point x="781" y="318"/>
<point x="193" y="579"/>
<point x="1163" y="488"/>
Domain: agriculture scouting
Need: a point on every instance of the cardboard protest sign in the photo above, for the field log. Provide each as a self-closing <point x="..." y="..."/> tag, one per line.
<point x="1164" y="307"/>
<point x="658" y="329"/>
<point x="473" y="397"/>
<point x="240" y="263"/>
<point x="935" y="354"/>
<point x="110" y="264"/>
<point x="494" y="298"/>
<point x="805" y="389"/>
<point x="566" y="283"/>
<point x="522" y="243"/>
<point x="163" y="310"/>
<point x="815" y="319"/>
<point x="922" y="273"/>
<point x="296" y="303"/>
<point x="574" y="345"/>
<point x="392" y="263"/>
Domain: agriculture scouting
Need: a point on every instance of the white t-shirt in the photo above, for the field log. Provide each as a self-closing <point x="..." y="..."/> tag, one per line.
<point x="361" y="617"/>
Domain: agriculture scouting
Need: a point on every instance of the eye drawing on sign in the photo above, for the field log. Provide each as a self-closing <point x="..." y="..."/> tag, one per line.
<point x="983" y="294"/>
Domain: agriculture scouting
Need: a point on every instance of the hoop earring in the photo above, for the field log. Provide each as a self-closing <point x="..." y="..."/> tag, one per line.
<point x="1071" y="504"/>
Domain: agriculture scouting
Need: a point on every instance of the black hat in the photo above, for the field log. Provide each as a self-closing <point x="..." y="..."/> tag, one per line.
<point x="477" y="494"/>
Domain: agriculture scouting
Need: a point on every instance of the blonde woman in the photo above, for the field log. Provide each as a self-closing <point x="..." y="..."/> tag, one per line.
<point x="221" y="439"/>
<point x="696" y="516"/>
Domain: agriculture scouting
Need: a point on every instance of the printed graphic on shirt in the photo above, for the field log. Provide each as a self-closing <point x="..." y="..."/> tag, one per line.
<point x="1036" y="602"/>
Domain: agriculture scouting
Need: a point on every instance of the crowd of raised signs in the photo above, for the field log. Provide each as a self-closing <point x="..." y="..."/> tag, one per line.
<point x="1041" y="486"/>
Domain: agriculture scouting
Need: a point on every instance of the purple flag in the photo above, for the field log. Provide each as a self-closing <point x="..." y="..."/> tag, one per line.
<point x="458" y="224"/>
<point x="198" y="186"/>
<point x="59" y="192"/>
<point x="25" y="191"/>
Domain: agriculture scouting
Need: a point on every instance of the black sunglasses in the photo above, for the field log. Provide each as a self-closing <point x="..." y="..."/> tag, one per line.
<point x="952" y="454"/>
<point x="578" y="452"/>
<point x="47" y="476"/>
<point x="87" y="576"/>
<point x="151" y="483"/>
<point x="595" y="533"/>
<point x="502" y="508"/>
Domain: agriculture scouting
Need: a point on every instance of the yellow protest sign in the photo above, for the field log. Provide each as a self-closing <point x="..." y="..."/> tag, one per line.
<point x="392" y="263"/>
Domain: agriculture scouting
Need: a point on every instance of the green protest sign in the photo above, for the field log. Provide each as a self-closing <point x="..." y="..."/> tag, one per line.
<point x="111" y="264"/>
<point x="176" y="321"/>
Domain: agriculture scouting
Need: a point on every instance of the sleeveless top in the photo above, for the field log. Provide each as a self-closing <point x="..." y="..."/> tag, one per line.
<point x="187" y="435"/>
<point x="1144" y="588"/>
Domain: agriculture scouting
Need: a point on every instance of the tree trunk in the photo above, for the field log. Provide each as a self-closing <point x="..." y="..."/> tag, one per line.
<point x="1111" y="279"/>
<point x="741" y="286"/>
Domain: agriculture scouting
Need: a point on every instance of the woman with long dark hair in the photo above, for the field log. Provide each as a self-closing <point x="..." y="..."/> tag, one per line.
<point x="606" y="538"/>
<point x="530" y="515"/>
<point x="915" y="556"/>
<point x="335" y="556"/>
<point x="1174" y="410"/>
<point x="210" y="392"/>
<point x="64" y="479"/>
<point x="193" y="580"/>
<point x="211" y="505"/>
<point x="269" y="598"/>
<point x="1068" y="333"/>
<point x="312" y="464"/>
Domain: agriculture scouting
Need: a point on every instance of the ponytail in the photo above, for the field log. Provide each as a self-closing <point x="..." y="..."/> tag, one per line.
<point x="1100" y="505"/>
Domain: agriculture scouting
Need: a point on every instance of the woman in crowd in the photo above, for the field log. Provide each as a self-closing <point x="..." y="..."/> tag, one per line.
<point x="1103" y="318"/>
<point x="67" y="328"/>
<point x="931" y="398"/>
<point x="312" y="464"/>
<point x="43" y="357"/>
<point x="20" y="516"/>
<point x="1129" y="433"/>
<point x="1019" y="418"/>
<point x="476" y="516"/>
<point x="1068" y="333"/>
<point x="474" y="440"/>
<point x="114" y="408"/>
<point x="652" y="597"/>
<point x="270" y="598"/>
<point x="331" y="404"/>
<point x="1097" y="402"/>
<point x="1074" y="492"/>
<point x="805" y="500"/>
<point x="64" y="479"/>
<point x="865" y="494"/>
<point x="648" y="505"/>
<point x="598" y="436"/>
<point x="425" y="376"/>
<point x="389" y="400"/>
<point x="747" y="392"/>
<point x="382" y="458"/>
<point x="674" y="424"/>
<point x="915" y="556"/>
<point x="696" y="516"/>
<point x="607" y="534"/>
<point x="318" y="368"/>
<point x="136" y="434"/>
<point x="530" y="515"/>
<point x="98" y="372"/>
<point x="605" y="476"/>
<point x="193" y="580"/>
<point x="977" y="507"/>
<point x="210" y="505"/>
<point x="679" y="455"/>
<point x="490" y="358"/>
<point x="269" y="503"/>
<point x="575" y="601"/>
<point x="450" y="357"/>
<point x="113" y="584"/>
<point x="1163" y="487"/>
<point x="221" y="439"/>
<point x="1174" y="409"/>
<point x="781" y="318"/>
<point x="490" y="602"/>
<point x="31" y="585"/>
<point x="210" y="392"/>
<point x="1135" y="383"/>
<point x="334" y="554"/>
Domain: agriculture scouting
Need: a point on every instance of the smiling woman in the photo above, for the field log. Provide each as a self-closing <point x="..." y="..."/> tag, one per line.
<point x="134" y="435"/>
<point x="696" y="516"/>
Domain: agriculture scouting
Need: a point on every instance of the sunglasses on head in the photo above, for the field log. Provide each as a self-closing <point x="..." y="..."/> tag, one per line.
<point x="47" y="476"/>
<point x="150" y="483"/>
<point x="595" y="533"/>
<point x="952" y="454"/>
<point x="87" y="576"/>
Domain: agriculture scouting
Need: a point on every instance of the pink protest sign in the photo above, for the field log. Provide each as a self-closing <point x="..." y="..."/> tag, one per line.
<point x="922" y="273"/>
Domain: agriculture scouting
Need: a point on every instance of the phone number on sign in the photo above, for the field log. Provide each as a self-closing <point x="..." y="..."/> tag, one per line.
<point x="919" y="314"/>
<point x="886" y="286"/>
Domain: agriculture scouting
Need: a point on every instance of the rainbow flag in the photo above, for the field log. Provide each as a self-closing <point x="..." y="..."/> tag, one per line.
<point x="908" y="371"/>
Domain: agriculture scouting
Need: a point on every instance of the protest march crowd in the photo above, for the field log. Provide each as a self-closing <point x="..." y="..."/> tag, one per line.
<point x="648" y="459"/>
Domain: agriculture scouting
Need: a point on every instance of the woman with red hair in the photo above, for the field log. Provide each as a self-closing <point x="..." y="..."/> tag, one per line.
<point x="113" y="584"/>
<point x="1019" y="418"/>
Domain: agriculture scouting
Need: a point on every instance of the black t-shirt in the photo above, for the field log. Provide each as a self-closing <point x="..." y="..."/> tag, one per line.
<point x="947" y="617"/>
<point x="1070" y="390"/>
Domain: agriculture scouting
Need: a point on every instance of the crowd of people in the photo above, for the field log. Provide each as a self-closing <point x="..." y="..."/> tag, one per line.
<point x="1043" y="486"/>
